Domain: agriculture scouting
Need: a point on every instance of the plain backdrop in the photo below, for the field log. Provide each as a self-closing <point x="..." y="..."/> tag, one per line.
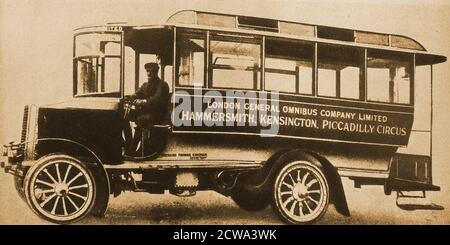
<point x="36" y="47"/>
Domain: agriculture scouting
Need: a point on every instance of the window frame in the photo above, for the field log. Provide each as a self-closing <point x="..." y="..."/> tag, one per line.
<point x="76" y="59"/>
<point x="235" y="37"/>
<point x="297" y="79"/>
<point x="260" y="39"/>
<point x="412" y="64"/>
<point x="195" y="34"/>
<point x="338" y="84"/>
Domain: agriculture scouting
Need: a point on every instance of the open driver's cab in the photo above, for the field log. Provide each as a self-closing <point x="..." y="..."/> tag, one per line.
<point x="109" y="63"/>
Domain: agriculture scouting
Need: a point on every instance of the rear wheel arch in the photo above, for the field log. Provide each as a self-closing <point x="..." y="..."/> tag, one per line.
<point x="280" y="159"/>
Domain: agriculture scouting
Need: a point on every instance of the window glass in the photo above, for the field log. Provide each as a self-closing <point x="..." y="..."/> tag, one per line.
<point x="288" y="66"/>
<point x="235" y="64"/>
<point x="306" y="80"/>
<point x="340" y="71"/>
<point x="112" y="75"/>
<point x="98" y="64"/>
<point x="327" y="82"/>
<point x="216" y="20"/>
<point x="280" y="75"/>
<point x="96" y="44"/>
<point x="191" y="60"/>
<point x="350" y="82"/>
<point x="98" y="75"/>
<point x="388" y="77"/>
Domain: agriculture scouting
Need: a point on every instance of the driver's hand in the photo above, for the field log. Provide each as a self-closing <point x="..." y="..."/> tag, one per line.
<point x="140" y="101"/>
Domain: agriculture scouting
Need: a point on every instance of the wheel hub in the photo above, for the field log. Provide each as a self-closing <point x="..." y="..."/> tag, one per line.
<point x="61" y="189"/>
<point x="300" y="192"/>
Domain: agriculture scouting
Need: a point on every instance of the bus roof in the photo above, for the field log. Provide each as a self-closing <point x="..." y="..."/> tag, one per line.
<point x="288" y="29"/>
<point x="209" y="20"/>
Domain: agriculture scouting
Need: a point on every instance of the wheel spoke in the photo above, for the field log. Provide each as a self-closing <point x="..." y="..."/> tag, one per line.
<point x="77" y="195"/>
<point x="67" y="173"/>
<point x="313" y="181"/>
<point x="314" y="201"/>
<point x="293" y="207"/>
<point x="315" y="191"/>
<point x="48" y="191"/>
<point x="45" y="183"/>
<point x="74" y="178"/>
<point x="292" y="179"/>
<point x="285" y="192"/>
<point x="48" y="199"/>
<point x="64" y="205"/>
<point x="58" y="174"/>
<point x="290" y="199"/>
<point x="78" y="187"/>
<point x="307" y="206"/>
<point x="50" y="176"/>
<point x="55" y="205"/>
<point x="305" y="177"/>
<point x="300" y="209"/>
<point x="73" y="203"/>
<point x="288" y="185"/>
<point x="298" y="176"/>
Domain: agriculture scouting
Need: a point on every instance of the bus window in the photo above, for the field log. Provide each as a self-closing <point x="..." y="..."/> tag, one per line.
<point x="234" y="59"/>
<point x="191" y="60"/>
<point x="339" y="72"/>
<point x="288" y="67"/>
<point x="388" y="77"/>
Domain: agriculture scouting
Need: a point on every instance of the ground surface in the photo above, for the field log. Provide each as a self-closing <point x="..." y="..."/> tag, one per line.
<point x="367" y="206"/>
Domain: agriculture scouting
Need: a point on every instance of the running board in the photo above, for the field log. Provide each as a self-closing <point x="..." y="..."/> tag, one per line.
<point x="161" y="165"/>
<point x="415" y="202"/>
<point x="409" y="185"/>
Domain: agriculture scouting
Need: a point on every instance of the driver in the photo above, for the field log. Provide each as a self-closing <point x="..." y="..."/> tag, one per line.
<point x="150" y="102"/>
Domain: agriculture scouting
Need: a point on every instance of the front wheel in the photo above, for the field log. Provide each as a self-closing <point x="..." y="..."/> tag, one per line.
<point x="301" y="193"/>
<point x="60" y="188"/>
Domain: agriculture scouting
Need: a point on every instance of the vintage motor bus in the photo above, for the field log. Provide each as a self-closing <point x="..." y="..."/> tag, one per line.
<point x="268" y="112"/>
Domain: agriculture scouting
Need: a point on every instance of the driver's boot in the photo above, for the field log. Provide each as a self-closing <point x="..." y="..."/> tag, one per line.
<point x="132" y="149"/>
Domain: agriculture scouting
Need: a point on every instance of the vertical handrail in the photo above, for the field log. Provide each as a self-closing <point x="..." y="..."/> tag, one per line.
<point x="431" y="120"/>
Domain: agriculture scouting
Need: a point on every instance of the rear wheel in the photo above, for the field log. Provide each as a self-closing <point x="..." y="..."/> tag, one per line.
<point x="301" y="193"/>
<point x="60" y="188"/>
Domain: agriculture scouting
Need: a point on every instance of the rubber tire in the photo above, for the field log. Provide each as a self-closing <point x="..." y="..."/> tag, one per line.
<point x="18" y="185"/>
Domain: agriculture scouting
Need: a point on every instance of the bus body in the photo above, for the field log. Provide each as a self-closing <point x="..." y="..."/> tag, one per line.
<point x="265" y="111"/>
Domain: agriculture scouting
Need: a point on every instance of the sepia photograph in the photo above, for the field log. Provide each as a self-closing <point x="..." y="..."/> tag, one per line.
<point x="214" y="112"/>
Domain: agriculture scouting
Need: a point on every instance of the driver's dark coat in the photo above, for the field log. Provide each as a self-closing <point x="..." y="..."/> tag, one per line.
<point x="156" y="93"/>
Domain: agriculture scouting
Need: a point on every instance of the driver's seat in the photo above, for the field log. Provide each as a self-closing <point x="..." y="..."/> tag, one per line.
<point x="152" y="139"/>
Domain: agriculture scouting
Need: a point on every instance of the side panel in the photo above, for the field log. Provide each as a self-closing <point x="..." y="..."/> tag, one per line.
<point x="255" y="113"/>
<point x="186" y="147"/>
<point x="99" y="130"/>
